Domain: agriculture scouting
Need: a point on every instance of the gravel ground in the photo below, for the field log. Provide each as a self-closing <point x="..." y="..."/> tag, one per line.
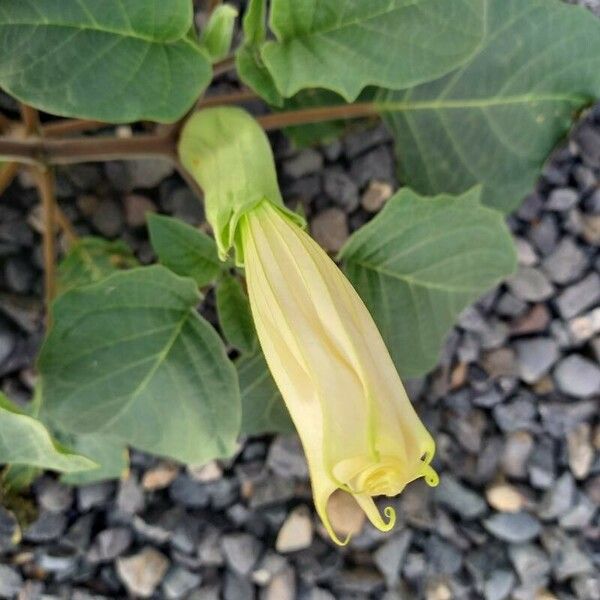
<point x="513" y="406"/>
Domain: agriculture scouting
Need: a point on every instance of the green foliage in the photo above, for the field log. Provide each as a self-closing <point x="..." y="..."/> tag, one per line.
<point x="229" y="155"/>
<point x="216" y="37"/>
<point x="495" y="120"/>
<point x="263" y="409"/>
<point x="390" y="43"/>
<point x="115" y="60"/>
<point x="130" y="357"/>
<point x="108" y="452"/>
<point x="184" y="249"/>
<point x="420" y="262"/>
<point x="25" y="441"/>
<point x="234" y="314"/>
<point x="92" y="259"/>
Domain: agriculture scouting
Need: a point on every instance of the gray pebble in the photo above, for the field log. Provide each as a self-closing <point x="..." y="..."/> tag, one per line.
<point x="562" y="199"/>
<point x="544" y="234"/>
<point x="10" y="531"/>
<point x="567" y="263"/>
<point x="95" y="494"/>
<point x="516" y="415"/>
<point x="130" y="497"/>
<point x="47" y="527"/>
<point x="580" y="515"/>
<point x="531" y="564"/>
<point x="356" y="142"/>
<point x="499" y="585"/>
<point x="530" y="284"/>
<point x="526" y="254"/>
<point x="109" y="544"/>
<point x="237" y="588"/>
<point x="443" y="557"/>
<point x="19" y="274"/>
<point x="188" y="492"/>
<point x="286" y="457"/>
<point x="558" y="499"/>
<point x="341" y="189"/>
<point x="377" y="164"/>
<point x="580" y="296"/>
<point x="459" y="498"/>
<point x="185" y="205"/>
<point x="389" y="557"/>
<point x="53" y="495"/>
<point x="241" y="552"/>
<point x="179" y="582"/>
<point x="515" y="528"/>
<point x="307" y="161"/>
<point x="108" y="218"/>
<point x="535" y="357"/>
<point x="149" y="172"/>
<point x="10" y="582"/>
<point x="578" y="376"/>
<point x="587" y="139"/>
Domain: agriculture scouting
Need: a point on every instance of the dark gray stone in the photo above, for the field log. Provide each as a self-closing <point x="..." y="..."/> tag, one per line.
<point x="376" y="165"/>
<point x="237" y="588"/>
<point x="53" y="495"/>
<point x="579" y="297"/>
<point x="459" y="498"/>
<point x="515" y="528"/>
<point x="19" y="275"/>
<point x="10" y="531"/>
<point x="389" y="557"/>
<point x="341" y="189"/>
<point x="499" y="585"/>
<point x="558" y="499"/>
<point x="541" y="466"/>
<point x="566" y="264"/>
<point x="357" y="142"/>
<point x="179" y="582"/>
<point x="108" y="218"/>
<point x="577" y="376"/>
<point x="307" y="161"/>
<point x="130" y="497"/>
<point x="531" y="564"/>
<point x="580" y="515"/>
<point x="47" y="527"/>
<point x="94" y="495"/>
<point x="286" y="457"/>
<point x="241" y="552"/>
<point x="444" y="558"/>
<point x="109" y="544"/>
<point x="185" y="205"/>
<point x="190" y="493"/>
<point x="10" y="582"/>
<point x="530" y="284"/>
<point x="562" y="199"/>
<point x="587" y="140"/>
<point x="544" y="234"/>
<point x="535" y="357"/>
<point x="515" y="415"/>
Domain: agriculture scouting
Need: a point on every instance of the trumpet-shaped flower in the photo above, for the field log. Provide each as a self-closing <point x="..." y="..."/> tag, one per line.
<point x="358" y="428"/>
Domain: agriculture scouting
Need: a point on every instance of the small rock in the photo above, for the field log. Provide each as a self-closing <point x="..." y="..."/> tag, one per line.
<point x="190" y="493"/>
<point x="499" y="585"/>
<point x="577" y="298"/>
<point x="504" y="497"/>
<point x="10" y="582"/>
<point x="569" y="560"/>
<point x="296" y="533"/>
<point x="179" y="582"/>
<point x="517" y="450"/>
<point x="562" y="199"/>
<point x="544" y="233"/>
<point x="341" y="189"/>
<point x="345" y="515"/>
<point x="587" y="140"/>
<point x="54" y="496"/>
<point x="241" y="552"/>
<point x="185" y="205"/>
<point x="443" y="557"/>
<point x="149" y="172"/>
<point x="583" y="328"/>
<point x="518" y="414"/>
<point x="535" y="357"/>
<point x="376" y="195"/>
<point x="330" y="229"/>
<point x="530" y="284"/>
<point x="580" y="515"/>
<point x="591" y="229"/>
<point x="130" y="497"/>
<point x="94" y="495"/>
<point x="282" y="586"/>
<point x="515" y="528"/>
<point x="109" y="544"/>
<point x="237" y="588"/>
<point x="286" y="457"/>
<point x="389" y="557"/>
<point x="526" y="255"/>
<point x="531" y="564"/>
<point x="160" y="477"/>
<point x="19" y="274"/>
<point x="500" y="363"/>
<point x="47" y="527"/>
<point x="137" y="208"/>
<point x="542" y="464"/>
<point x="209" y="472"/>
<point x="307" y="161"/>
<point x="142" y="572"/>
<point x="567" y="263"/>
<point x="558" y="499"/>
<point x="10" y="532"/>
<point x="577" y="376"/>
<point x="356" y="142"/>
<point x="376" y="165"/>
<point x="580" y="451"/>
<point x="462" y="500"/>
<point x="108" y="218"/>
<point x="270" y="564"/>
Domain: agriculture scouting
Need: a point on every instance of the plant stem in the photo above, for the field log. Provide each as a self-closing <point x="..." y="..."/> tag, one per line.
<point x="7" y="173"/>
<point x="225" y="99"/>
<point x="66" y="126"/>
<point x="45" y="184"/>
<point x="63" y="222"/>
<point x="31" y="119"/>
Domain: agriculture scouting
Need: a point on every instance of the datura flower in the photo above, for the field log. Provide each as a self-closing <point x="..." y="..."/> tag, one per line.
<point x="358" y="428"/>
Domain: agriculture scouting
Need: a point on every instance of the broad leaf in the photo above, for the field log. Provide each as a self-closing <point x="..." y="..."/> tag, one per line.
<point x="184" y="249"/>
<point x="495" y="120"/>
<point x="218" y="33"/>
<point x="248" y="62"/>
<point x="391" y="43"/>
<point x="108" y="453"/>
<point x="420" y="262"/>
<point x="92" y="259"/>
<point x="235" y="318"/>
<point x="25" y="441"/>
<point x="114" y="60"/>
<point x="130" y="356"/>
<point x="263" y="410"/>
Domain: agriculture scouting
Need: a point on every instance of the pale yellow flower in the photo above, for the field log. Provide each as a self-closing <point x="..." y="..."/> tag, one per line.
<point x="358" y="428"/>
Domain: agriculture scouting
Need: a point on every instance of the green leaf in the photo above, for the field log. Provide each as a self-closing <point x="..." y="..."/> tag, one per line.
<point x="92" y="259"/>
<point x="218" y="33"/>
<point x="115" y="60"/>
<point x="248" y="61"/>
<point x="234" y="313"/>
<point x="228" y="153"/>
<point x="263" y="410"/>
<point x="25" y="441"/>
<point x="495" y="120"/>
<point x="184" y="249"/>
<point x="391" y="43"/>
<point x="420" y="262"/>
<point x="108" y="452"/>
<point x="131" y="357"/>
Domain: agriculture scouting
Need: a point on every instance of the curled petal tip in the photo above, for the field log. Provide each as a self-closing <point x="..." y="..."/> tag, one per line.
<point x="431" y="477"/>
